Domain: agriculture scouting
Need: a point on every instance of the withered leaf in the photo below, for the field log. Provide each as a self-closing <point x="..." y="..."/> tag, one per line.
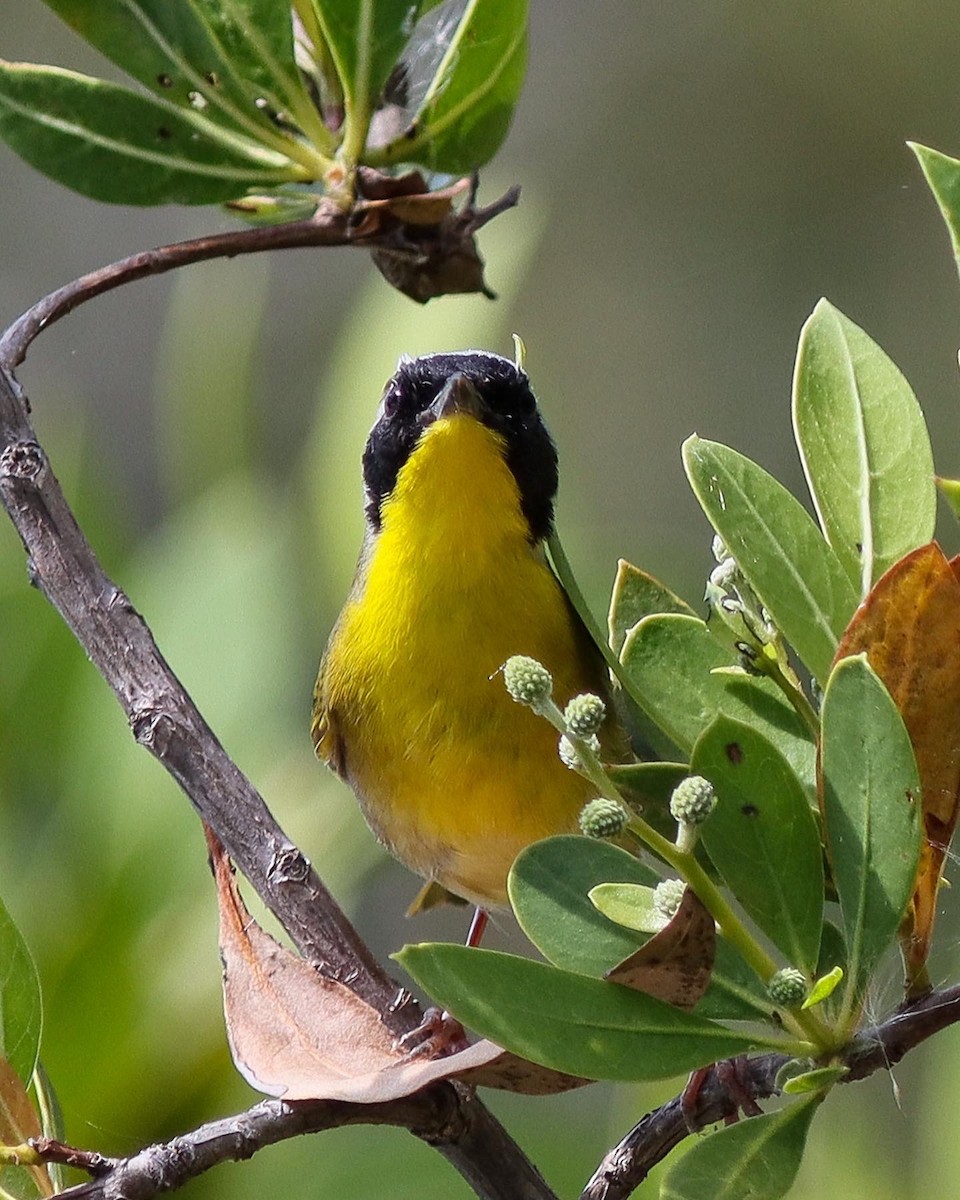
<point x="19" y="1121"/>
<point x="909" y="628"/>
<point x="297" y="1034"/>
<point x="676" y="963"/>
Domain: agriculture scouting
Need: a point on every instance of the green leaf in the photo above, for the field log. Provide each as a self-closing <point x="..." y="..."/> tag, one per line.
<point x="548" y="886"/>
<point x="943" y="177"/>
<point x="365" y="38"/>
<point x="797" y="576"/>
<point x="628" y="904"/>
<point x="864" y="446"/>
<point x="668" y="659"/>
<point x="760" y="704"/>
<point x="569" y="1022"/>
<point x="672" y="662"/>
<point x="762" y="837"/>
<point x="469" y="104"/>
<point x="650" y="782"/>
<point x="758" y="1158"/>
<point x="735" y="993"/>
<point x="823" y="987"/>
<point x="20" y="1008"/>
<point x="637" y="595"/>
<point x="813" y="1081"/>
<point x="232" y="60"/>
<point x="871" y="809"/>
<point x="116" y="145"/>
<point x="47" y="1104"/>
<point x="951" y="493"/>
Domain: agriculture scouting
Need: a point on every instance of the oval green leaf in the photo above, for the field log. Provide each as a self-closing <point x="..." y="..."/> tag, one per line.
<point x="943" y="178"/>
<point x="636" y="595"/>
<point x="365" y="38"/>
<point x="672" y="663"/>
<point x="469" y="104"/>
<point x="628" y="904"/>
<point x="668" y="659"/>
<point x="548" y="886"/>
<point x="784" y="557"/>
<point x="871" y="811"/>
<point x="758" y="1158"/>
<point x="567" y="1021"/>
<point x="113" y="144"/>
<point x="20" y="1007"/>
<point x="762" y="837"/>
<point x="864" y="445"/>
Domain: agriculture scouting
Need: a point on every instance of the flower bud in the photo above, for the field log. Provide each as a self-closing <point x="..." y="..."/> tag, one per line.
<point x="568" y="751"/>
<point x="527" y="681"/>
<point x="787" y="988"/>
<point x="667" y="896"/>
<point x="584" y="715"/>
<point x="602" y="818"/>
<point x="693" y="800"/>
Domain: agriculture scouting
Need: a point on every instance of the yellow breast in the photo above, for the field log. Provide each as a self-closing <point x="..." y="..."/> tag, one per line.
<point x="452" y="775"/>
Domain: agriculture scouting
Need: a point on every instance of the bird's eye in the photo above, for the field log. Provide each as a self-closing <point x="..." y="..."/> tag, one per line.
<point x="391" y="402"/>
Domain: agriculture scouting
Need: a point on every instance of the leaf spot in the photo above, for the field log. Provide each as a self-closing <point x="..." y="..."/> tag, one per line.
<point x="734" y="753"/>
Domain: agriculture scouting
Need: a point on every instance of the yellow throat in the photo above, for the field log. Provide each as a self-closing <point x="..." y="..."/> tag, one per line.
<point x="453" y="776"/>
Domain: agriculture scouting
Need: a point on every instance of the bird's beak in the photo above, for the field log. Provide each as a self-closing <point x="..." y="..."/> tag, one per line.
<point x="458" y="395"/>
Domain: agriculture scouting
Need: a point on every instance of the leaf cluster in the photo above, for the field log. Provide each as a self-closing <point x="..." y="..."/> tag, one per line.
<point x="246" y="101"/>
<point x="821" y="700"/>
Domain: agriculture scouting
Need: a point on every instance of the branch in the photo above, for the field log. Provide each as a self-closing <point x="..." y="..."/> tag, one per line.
<point x="165" y="720"/>
<point x="423" y="260"/>
<point x="878" y="1047"/>
<point x="444" y="1117"/>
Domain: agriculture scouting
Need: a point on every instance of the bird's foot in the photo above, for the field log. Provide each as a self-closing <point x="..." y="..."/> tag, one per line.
<point x="730" y="1073"/>
<point x="437" y="1036"/>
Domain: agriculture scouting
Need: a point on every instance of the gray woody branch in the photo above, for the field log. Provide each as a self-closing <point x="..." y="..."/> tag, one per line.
<point x="164" y="719"/>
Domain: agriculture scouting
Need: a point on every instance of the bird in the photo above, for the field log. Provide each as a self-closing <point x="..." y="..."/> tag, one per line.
<point x="460" y="476"/>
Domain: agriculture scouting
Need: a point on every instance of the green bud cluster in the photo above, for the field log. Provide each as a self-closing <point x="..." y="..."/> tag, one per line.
<point x="528" y="681"/>
<point x="568" y="751"/>
<point x="667" y="896"/>
<point x="603" y="818"/>
<point x="787" y="988"/>
<point x="693" y="800"/>
<point x="584" y="715"/>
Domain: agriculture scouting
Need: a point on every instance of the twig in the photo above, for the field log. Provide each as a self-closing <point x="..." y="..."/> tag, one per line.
<point x="165" y="720"/>
<point x="438" y="1117"/>
<point x="426" y="248"/>
<point x="441" y="1119"/>
<point x="876" y="1048"/>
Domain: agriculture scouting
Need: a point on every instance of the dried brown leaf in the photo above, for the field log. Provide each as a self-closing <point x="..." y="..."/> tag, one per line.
<point x="297" y="1034"/>
<point x="676" y="963"/>
<point x="19" y="1121"/>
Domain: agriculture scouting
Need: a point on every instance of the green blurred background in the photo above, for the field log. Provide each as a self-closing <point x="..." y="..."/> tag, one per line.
<point x="695" y="175"/>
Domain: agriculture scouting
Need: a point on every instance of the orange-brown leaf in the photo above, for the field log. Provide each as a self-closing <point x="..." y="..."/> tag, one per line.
<point x="909" y="627"/>
<point x="676" y="963"/>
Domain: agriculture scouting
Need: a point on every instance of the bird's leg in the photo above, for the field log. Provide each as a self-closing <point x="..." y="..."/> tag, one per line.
<point x="477" y="925"/>
<point x="440" y="1034"/>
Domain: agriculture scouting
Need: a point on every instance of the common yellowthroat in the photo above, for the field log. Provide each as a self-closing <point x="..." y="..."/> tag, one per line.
<point x="453" y="777"/>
